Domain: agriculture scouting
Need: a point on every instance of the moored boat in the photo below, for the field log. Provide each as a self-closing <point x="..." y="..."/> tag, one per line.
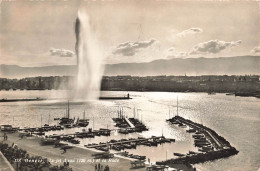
<point x="49" y="141"/>
<point x="179" y="154"/>
<point x="82" y="122"/>
<point x="67" y="120"/>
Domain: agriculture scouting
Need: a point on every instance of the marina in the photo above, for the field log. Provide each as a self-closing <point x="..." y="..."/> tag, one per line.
<point x="204" y="142"/>
<point x="204" y="138"/>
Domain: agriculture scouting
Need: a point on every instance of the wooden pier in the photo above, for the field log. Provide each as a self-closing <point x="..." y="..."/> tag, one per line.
<point x="124" y="142"/>
<point x="129" y="122"/>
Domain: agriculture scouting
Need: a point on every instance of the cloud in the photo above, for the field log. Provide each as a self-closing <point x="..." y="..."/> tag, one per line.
<point x="61" y="52"/>
<point x="189" y="32"/>
<point x="130" y="48"/>
<point x="173" y="53"/>
<point x="213" y="47"/>
<point x="256" y="50"/>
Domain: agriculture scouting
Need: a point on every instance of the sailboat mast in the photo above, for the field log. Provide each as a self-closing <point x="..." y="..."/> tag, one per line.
<point x="84" y="115"/>
<point x="41" y="120"/>
<point x="118" y="112"/>
<point x="68" y="109"/>
<point x="93" y="123"/>
<point x="177" y="106"/>
<point x="162" y="132"/>
<point x="169" y="113"/>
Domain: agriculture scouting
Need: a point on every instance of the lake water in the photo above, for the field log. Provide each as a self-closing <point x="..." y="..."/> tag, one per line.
<point x="235" y="118"/>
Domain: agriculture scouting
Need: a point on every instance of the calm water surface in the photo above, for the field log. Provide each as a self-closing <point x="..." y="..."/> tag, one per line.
<point x="235" y="118"/>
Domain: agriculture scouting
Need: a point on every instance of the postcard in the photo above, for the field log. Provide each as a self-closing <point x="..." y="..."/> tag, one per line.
<point x="129" y="85"/>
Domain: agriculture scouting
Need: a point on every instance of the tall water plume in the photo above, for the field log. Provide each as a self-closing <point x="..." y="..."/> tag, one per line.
<point x="89" y="60"/>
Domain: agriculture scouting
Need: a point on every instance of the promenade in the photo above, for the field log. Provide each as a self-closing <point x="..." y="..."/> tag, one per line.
<point x="80" y="158"/>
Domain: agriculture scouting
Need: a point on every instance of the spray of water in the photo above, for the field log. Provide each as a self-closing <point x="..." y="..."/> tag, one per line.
<point x="89" y="60"/>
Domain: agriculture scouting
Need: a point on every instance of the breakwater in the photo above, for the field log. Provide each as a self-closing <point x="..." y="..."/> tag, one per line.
<point x="202" y="157"/>
<point x="21" y="100"/>
<point x="116" y="98"/>
<point x="211" y="145"/>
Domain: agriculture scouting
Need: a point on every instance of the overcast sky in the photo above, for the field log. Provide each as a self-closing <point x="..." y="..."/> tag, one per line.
<point x="37" y="33"/>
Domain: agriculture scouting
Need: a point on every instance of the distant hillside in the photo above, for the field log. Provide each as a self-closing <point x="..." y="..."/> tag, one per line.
<point x="190" y="66"/>
<point x="177" y="66"/>
<point x="18" y="71"/>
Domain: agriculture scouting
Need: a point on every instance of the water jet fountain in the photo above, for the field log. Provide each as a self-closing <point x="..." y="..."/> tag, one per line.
<point x="89" y="60"/>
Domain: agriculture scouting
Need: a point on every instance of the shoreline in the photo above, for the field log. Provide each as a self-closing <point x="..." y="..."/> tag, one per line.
<point x="228" y="93"/>
<point x="79" y="157"/>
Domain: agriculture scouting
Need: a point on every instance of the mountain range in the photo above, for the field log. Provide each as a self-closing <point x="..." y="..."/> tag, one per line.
<point x="240" y="65"/>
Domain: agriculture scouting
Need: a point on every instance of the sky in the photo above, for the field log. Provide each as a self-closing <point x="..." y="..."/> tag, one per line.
<point x="41" y="32"/>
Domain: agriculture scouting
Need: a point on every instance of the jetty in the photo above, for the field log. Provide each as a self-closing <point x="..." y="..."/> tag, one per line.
<point x="211" y="145"/>
<point x="42" y="99"/>
<point x="115" y="98"/>
<point x="129" y="123"/>
<point x="21" y="100"/>
<point x="217" y="141"/>
<point x="123" y="141"/>
<point x="119" y="145"/>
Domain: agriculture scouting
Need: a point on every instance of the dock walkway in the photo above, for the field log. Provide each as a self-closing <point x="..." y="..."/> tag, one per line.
<point x="125" y="142"/>
<point x="75" y="134"/>
<point x="129" y="123"/>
